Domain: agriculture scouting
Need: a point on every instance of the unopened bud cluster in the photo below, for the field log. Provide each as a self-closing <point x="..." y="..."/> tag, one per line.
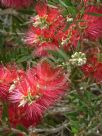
<point x="78" y="59"/>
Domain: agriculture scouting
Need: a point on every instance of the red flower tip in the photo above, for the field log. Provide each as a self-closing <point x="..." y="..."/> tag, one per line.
<point x="42" y="6"/>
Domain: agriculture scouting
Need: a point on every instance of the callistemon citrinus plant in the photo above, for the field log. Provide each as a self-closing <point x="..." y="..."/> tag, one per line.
<point x="50" y="67"/>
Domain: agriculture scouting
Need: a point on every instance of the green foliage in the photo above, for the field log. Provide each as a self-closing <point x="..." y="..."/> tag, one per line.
<point x="86" y="115"/>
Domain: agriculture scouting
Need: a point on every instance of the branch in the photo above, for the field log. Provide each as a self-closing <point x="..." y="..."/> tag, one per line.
<point x="50" y="130"/>
<point x="13" y="130"/>
<point x="8" y="12"/>
<point x="56" y="110"/>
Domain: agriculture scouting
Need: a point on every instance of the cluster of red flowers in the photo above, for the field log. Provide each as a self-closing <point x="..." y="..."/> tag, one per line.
<point x="30" y="93"/>
<point x="43" y="33"/>
<point x="48" y="30"/>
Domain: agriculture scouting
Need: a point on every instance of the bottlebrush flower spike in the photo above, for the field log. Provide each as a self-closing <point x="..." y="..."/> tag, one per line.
<point x="16" y="3"/>
<point x="5" y="75"/>
<point x="93" y="23"/>
<point x="16" y="116"/>
<point x="39" y="90"/>
<point x="70" y="37"/>
<point x="41" y="40"/>
<point x="8" y="76"/>
<point x="93" y="69"/>
<point x="5" y="79"/>
<point x="45" y="26"/>
<point x="46" y="14"/>
<point x="34" y="36"/>
<point x="42" y="6"/>
<point x="98" y="73"/>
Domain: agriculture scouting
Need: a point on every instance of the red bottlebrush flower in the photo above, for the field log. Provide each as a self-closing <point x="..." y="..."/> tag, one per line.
<point x="32" y="38"/>
<point x="53" y="15"/>
<point x="5" y="79"/>
<point x="93" y="69"/>
<point x="98" y="73"/>
<point x="16" y="116"/>
<point x="93" y="23"/>
<point x="43" y="34"/>
<point x="5" y="75"/>
<point x="48" y="13"/>
<point x="47" y="17"/>
<point x="70" y="37"/>
<point x="42" y="6"/>
<point x="16" y="3"/>
<point x="87" y="69"/>
<point x="39" y="90"/>
<point x="4" y="91"/>
<point x="8" y="76"/>
<point x="36" y="36"/>
<point x="50" y="78"/>
<point x="41" y="40"/>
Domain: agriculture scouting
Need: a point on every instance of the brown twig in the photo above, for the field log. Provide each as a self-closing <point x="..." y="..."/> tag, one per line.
<point x="50" y="130"/>
<point x="13" y="130"/>
<point x="8" y="11"/>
